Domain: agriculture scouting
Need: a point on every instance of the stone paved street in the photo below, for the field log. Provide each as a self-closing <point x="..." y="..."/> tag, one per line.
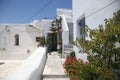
<point x="9" y="63"/>
<point x="13" y="56"/>
<point x="7" y="68"/>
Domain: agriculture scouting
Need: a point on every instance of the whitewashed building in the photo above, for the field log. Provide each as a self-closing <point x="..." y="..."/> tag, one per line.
<point x="91" y="13"/>
<point x="44" y="25"/>
<point x="18" y="38"/>
<point x="22" y="38"/>
<point x="67" y="29"/>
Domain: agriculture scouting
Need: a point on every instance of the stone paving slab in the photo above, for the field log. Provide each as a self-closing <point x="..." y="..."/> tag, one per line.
<point x="53" y="69"/>
<point x="7" y="68"/>
<point x="14" y="56"/>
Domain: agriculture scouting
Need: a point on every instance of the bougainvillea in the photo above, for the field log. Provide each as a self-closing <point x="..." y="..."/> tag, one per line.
<point x="69" y="65"/>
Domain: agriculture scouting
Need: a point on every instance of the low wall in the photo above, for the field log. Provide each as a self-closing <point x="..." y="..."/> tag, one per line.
<point x="32" y="68"/>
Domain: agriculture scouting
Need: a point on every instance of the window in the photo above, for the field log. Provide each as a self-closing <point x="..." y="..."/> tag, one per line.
<point x="38" y="39"/>
<point x="16" y="39"/>
<point x="81" y="24"/>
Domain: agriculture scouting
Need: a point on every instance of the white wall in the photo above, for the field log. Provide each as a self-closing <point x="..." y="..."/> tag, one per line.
<point x="100" y="9"/>
<point x="99" y="12"/>
<point x="65" y="30"/>
<point x="44" y="25"/>
<point x="32" y="68"/>
<point x="78" y="7"/>
<point x="27" y="38"/>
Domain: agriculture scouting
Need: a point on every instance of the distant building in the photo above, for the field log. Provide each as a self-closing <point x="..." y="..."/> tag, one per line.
<point x="91" y="13"/>
<point x="18" y="38"/>
<point x="22" y="38"/>
<point x="44" y="25"/>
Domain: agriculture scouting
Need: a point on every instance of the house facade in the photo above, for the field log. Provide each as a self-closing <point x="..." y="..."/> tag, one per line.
<point x="22" y="38"/>
<point x="91" y="13"/>
<point x="18" y="38"/>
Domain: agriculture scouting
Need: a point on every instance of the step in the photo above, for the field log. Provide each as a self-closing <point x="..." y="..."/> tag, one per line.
<point x="55" y="76"/>
<point x="54" y="69"/>
<point x="56" y="79"/>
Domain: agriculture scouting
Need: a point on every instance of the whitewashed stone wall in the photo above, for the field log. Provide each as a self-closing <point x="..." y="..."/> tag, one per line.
<point x="32" y="68"/>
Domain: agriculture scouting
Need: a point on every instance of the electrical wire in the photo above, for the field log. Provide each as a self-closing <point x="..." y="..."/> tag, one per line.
<point x="40" y="10"/>
<point x="101" y="8"/>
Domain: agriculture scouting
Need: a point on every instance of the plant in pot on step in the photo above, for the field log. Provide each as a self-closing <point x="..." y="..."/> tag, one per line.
<point x="42" y="42"/>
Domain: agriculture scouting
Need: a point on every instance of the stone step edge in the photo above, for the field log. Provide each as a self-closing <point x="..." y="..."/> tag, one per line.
<point x="55" y="76"/>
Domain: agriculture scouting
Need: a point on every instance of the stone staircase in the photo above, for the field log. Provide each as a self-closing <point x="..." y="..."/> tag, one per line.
<point x="67" y="49"/>
<point x="53" y="69"/>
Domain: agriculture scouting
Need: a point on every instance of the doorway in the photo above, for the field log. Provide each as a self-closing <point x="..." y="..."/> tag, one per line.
<point x="52" y="42"/>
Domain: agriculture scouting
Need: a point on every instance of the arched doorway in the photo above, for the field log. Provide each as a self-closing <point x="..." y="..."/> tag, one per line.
<point x="17" y="40"/>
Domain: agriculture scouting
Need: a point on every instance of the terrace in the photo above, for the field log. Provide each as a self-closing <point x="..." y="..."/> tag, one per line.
<point x="37" y="66"/>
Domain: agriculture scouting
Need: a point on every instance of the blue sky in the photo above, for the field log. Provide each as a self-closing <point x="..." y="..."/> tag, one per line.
<point x="19" y="11"/>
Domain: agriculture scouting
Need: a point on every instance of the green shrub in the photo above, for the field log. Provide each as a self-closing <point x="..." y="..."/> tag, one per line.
<point x="103" y="54"/>
<point x="72" y="54"/>
<point x="42" y="41"/>
<point x="59" y="51"/>
<point x="90" y="71"/>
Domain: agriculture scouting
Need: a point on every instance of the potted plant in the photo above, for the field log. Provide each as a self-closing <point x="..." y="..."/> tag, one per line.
<point x="42" y="42"/>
